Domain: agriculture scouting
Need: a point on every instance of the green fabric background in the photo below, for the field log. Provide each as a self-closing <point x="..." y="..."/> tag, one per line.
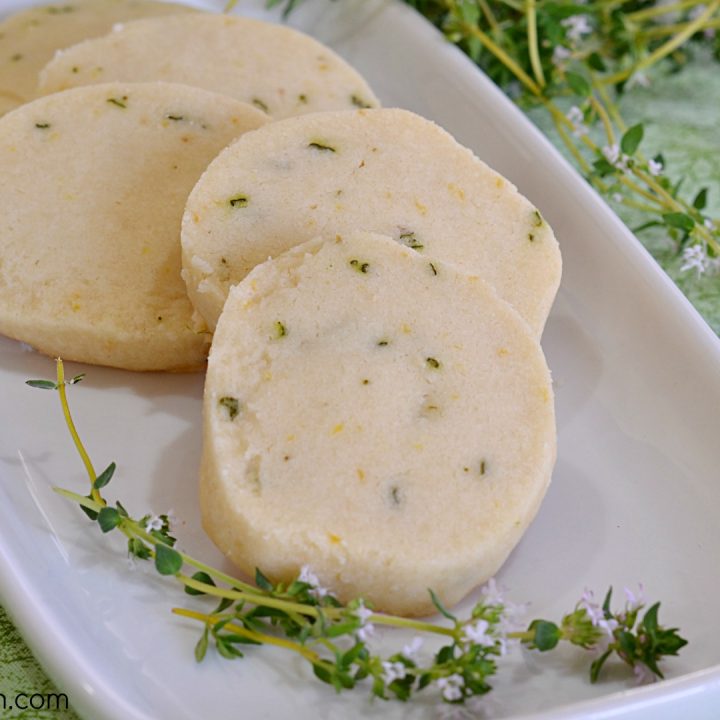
<point x="682" y="119"/>
<point x="20" y="672"/>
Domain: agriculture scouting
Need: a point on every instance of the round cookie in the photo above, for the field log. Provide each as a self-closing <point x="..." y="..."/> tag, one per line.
<point x="279" y="70"/>
<point x="385" y="419"/>
<point x="92" y="193"/>
<point x="29" y="39"/>
<point x="386" y="171"/>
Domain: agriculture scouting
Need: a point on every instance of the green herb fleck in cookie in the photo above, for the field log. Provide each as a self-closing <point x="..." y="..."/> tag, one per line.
<point x="258" y="103"/>
<point x="231" y="405"/>
<point x="361" y="267"/>
<point x="321" y="146"/>
<point x="120" y="102"/>
<point x="358" y="102"/>
<point x="410" y="239"/>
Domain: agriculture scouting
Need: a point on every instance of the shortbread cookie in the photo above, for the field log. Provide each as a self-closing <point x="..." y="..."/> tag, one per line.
<point x="383" y="418"/>
<point x="92" y="193"/>
<point x="280" y="70"/>
<point x="385" y="171"/>
<point x="29" y="39"/>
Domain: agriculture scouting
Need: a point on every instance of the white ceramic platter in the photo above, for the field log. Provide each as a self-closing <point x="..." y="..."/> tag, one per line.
<point x="635" y="495"/>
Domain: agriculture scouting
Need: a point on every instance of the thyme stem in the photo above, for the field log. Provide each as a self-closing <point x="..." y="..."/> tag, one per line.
<point x="607" y="123"/>
<point x="498" y="52"/>
<point x="60" y="368"/>
<point x="610" y="105"/>
<point x="255" y="596"/>
<point x="533" y="42"/>
<point x="570" y="145"/>
<point x="489" y="15"/>
<point x="310" y="611"/>
<point x="260" y="638"/>
<point x="666" y="48"/>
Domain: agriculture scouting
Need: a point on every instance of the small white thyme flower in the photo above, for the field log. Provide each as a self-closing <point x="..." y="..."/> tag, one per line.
<point x="366" y="630"/>
<point x="577" y="119"/>
<point x="588" y="604"/>
<point x="491" y="593"/>
<point x="451" y="687"/>
<point x="643" y="674"/>
<point x="411" y="650"/>
<point x="560" y="54"/>
<point x="709" y="224"/>
<point x="596" y="613"/>
<point x="575" y="115"/>
<point x="655" y="167"/>
<point x="309" y="577"/>
<point x="393" y="671"/>
<point x="363" y="613"/>
<point x="635" y="600"/>
<point x="608" y="625"/>
<point x="510" y="619"/>
<point x="639" y="79"/>
<point x="154" y="523"/>
<point x="611" y="153"/>
<point x="695" y="258"/>
<point x="577" y="26"/>
<point x="617" y="197"/>
<point x="478" y="634"/>
<point x="616" y="158"/>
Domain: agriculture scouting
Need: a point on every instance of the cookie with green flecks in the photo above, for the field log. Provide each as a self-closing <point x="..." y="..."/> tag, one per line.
<point x="385" y="170"/>
<point x="29" y="39"/>
<point x="281" y="71"/>
<point x="92" y="193"/>
<point x="385" y="419"/>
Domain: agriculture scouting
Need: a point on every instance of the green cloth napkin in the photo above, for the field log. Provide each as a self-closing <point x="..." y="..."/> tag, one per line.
<point x="681" y="121"/>
<point x="23" y="683"/>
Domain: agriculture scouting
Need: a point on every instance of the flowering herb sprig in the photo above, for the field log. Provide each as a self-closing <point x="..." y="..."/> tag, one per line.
<point x="336" y="639"/>
<point x="575" y="59"/>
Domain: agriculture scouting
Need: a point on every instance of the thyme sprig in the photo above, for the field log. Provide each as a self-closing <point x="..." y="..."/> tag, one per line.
<point x="334" y="638"/>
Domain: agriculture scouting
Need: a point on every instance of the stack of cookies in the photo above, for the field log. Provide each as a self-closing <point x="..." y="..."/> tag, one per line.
<point x="377" y="404"/>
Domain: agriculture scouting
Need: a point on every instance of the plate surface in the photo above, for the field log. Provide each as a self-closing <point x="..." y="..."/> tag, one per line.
<point x="634" y="496"/>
